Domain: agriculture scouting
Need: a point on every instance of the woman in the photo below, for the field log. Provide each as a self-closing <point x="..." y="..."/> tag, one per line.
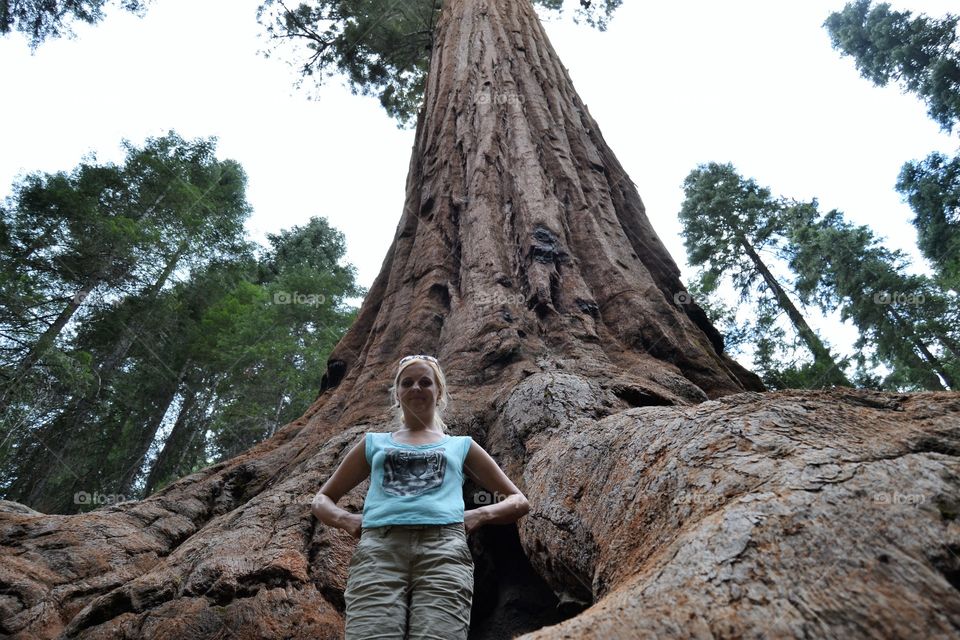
<point x="411" y="574"/>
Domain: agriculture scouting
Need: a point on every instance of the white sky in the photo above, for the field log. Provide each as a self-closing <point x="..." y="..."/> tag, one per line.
<point x="671" y="84"/>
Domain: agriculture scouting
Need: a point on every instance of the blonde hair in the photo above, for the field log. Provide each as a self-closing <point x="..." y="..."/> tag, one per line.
<point x="443" y="398"/>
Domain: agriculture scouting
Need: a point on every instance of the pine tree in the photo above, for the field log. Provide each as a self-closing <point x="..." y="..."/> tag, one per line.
<point x="40" y="20"/>
<point x="922" y="55"/>
<point x="932" y="187"/>
<point x="918" y="53"/>
<point x="380" y="48"/>
<point x="905" y="321"/>
<point x="524" y="260"/>
<point x="727" y="222"/>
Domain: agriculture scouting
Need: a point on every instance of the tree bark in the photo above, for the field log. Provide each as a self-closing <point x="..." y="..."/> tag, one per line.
<point x="525" y="262"/>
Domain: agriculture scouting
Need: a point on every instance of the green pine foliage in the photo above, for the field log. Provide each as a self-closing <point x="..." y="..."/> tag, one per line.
<point x="932" y="188"/>
<point x="919" y="53"/>
<point x="916" y="340"/>
<point x="380" y="47"/>
<point x="43" y="19"/>
<point x="907" y="323"/>
<point x="141" y="336"/>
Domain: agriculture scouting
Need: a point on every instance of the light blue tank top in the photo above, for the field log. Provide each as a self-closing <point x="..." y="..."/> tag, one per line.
<point x="414" y="484"/>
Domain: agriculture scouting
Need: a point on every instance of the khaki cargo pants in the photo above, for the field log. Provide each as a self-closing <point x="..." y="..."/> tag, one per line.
<point x="410" y="582"/>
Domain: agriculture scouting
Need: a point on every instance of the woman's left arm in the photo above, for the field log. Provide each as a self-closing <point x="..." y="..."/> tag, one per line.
<point x="484" y="471"/>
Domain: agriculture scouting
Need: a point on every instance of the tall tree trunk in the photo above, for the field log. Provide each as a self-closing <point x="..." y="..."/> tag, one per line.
<point x="46" y="340"/>
<point x="949" y="344"/>
<point x="148" y="433"/>
<point x="53" y="331"/>
<point x="67" y="434"/>
<point x="821" y="354"/>
<point x="171" y="454"/>
<point x="524" y="261"/>
<point x="39" y="466"/>
<point x="931" y="360"/>
<point x="131" y="331"/>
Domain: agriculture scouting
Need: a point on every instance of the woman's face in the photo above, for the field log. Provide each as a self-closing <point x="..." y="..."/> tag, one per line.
<point x="417" y="389"/>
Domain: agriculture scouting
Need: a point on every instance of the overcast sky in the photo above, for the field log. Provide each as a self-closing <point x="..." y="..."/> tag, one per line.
<point x="671" y="84"/>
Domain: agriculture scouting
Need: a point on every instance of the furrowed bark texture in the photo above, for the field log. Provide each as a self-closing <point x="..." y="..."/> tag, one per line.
<point x="668" y="496"/>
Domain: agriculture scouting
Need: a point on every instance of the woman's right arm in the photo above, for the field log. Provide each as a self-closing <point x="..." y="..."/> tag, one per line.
<point x="352" y="471"/>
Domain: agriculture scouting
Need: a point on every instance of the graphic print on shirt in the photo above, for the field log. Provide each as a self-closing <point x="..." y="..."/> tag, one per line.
<point x="411" y="473"/>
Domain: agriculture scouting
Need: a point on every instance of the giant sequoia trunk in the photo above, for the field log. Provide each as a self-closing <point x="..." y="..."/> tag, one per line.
<point x="668" y="496"/>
